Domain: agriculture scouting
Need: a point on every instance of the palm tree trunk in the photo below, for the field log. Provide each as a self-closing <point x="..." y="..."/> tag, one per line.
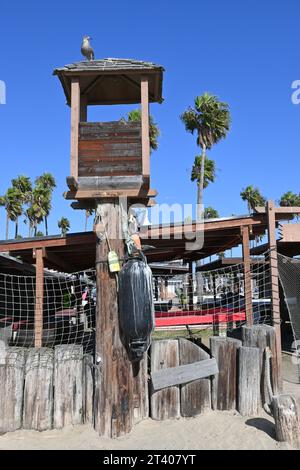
<point x="201" y="185"/>
<point x="199" y="280"/>
<point x="46" y="225"/>
<point x="16" y="227"/>
<point x="7" y="226"/>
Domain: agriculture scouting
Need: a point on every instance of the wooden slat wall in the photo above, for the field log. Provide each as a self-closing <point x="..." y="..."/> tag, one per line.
<point x="110" y="148"/>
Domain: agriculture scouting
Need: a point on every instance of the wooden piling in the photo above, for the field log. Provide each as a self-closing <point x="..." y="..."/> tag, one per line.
<point x="68" y="389"/>
<point x="249" y="381"/>
<point x="224" y="384"/>
<point x="287" y="424"/>
<point x="114" y="384"/>
<point x="140" y="390"/>
<point x="271" y="212"/>
<point x="38" y="389"/>
<point x="12" y="371"/>
<point x="88" y="389"/>
<point x="195" y="397"/>
<point x="165" y="404"/>
<point x="261" y="336"/>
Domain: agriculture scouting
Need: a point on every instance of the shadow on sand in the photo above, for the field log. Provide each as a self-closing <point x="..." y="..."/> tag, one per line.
<point x="262" y="424"/>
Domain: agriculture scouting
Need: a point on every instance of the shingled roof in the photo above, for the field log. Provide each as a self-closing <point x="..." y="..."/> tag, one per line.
<point x="109" y="65"/>
<point x="120" y="80"/>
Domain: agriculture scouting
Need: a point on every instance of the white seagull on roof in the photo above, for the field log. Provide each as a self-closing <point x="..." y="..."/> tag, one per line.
<point x="86" y="48"/>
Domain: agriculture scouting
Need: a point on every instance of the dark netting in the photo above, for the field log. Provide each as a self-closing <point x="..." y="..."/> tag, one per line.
<point x="289" y="274"/>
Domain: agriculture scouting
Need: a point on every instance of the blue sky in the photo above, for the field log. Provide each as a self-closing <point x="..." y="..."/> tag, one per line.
<point x="245" y="52"/>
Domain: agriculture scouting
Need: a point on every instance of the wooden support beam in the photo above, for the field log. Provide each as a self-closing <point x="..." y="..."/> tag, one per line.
<point x="98" y="194"/>
<point x="191" y="287"/>
<point x="145" y="126"/>
<point x="113" y="398"/>
<point x="39" y="297"/>
<point x="274" y="286"/>
<point x="75" y="116"/>
<point x="247" y="275"/>
<point x="92" y="85"/>
<point x="279" y="210"/>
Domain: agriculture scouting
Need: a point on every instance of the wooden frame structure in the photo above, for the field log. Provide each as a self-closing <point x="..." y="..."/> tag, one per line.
<point x="110" y="159"/>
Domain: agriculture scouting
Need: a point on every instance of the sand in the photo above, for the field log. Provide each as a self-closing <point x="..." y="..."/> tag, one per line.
<point x="212" y="430"/>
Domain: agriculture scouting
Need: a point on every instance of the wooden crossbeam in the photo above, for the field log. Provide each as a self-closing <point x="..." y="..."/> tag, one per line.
<point x="96" y="194"/>
<point x="183" y="374"/>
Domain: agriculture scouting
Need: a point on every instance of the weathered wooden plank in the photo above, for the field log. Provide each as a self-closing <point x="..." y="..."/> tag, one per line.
<point x="261" y="336"/>
<point x="68" y="385"/>
<point x="110" y="182"/>
<point x="224" y="383"/>
<point x="249" y="381"/>
<point x="12" y="372"/>
<point x="38" y="389"/>
<point x="108" y="130"/>
<point x="287" y="424"/>
<point x="183" y="374"/>
<point x="98" y="147"/>
<point x="165" y="403"/>
<point x="113" y="168"/>
<point x="88" y="389"/>
<point x="195" y="397"/>
<point x="140" y="390"/>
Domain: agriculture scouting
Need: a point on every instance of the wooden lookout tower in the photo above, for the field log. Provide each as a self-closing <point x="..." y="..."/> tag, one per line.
<point x="110" y="159"/>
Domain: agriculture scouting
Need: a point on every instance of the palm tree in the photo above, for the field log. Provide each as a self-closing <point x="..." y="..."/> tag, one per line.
<point x="88" y="213"/>
<point x="211" y="213"/>
<point x="13" y="206"/>
<point x="209" y="171"/>
<point x="23" y="186"/>
<point x="37" y="210"/>
<point x="253" y="197"/>
<point x="210" y="119"/>
<point x="289" y="199"/>
<point x="154" y="132"/>
<point x="47" y="184"/>
<point x="64" y="226"/>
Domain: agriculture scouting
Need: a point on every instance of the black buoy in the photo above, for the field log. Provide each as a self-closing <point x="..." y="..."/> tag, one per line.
<point x="136" y="308"/>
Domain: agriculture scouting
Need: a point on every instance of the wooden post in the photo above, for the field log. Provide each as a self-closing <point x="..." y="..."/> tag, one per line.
<point x="274" y="286"/>
<point x="224" y="383"/>
<point x="249" y="381"/>
<point x="247" y="275"/>
<point x="113" y="396"/>
<point x="145" y="126"/>
<point x="68" y="385"/>
<point x="261" y="336"/>
<point x="12" y="371"/>
<point x="287" y="424"/>
<point x="39" y="297"/>
<point x="75" y="116"/>
<point x="38" y="389"/>
<point x="165" y="403"/>
<point x="191" y="287"/>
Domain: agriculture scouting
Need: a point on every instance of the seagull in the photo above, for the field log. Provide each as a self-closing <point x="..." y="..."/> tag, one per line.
<point x="86" y="48"/>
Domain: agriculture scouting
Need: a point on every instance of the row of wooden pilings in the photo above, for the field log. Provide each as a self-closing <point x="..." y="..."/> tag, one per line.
<point x="43" y="389"/>
<point x="238" y="385"/>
